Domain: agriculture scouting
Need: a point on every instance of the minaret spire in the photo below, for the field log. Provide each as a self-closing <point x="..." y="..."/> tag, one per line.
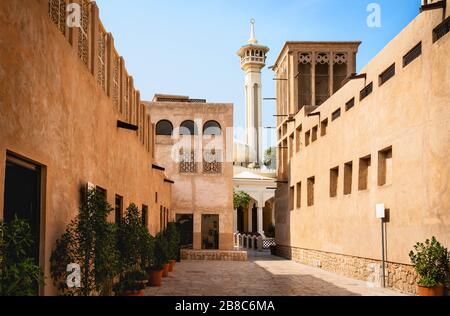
<point x="252" y="39"/>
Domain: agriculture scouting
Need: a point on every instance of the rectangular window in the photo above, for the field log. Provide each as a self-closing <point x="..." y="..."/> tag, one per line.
<point x="299" y="194"/>
<point x="441" y="30"/>
<point x="298" y="138"/>
<point x="145" y="215"/>
<point x="322" y="78"/>
<point x="414" y="53"/>
<point x="387" y="74"/>
<point x="385" y="167"/>
<point x="291" y="145"/>
<point x="118" y="209"/>
<point x="366" y="91"/>
<point x="307" y="138"/>
<point x="102" y="192"/>
<point x="364" y="172"/>
<point x="314" y="133"/>
<point x="304" y="80"/>
<point x="348" y="176"/>
<point x="323" y="127"/>
<point x="156" y="197"/>
<point x="311" y="184"/>
<point x="350" y="104"/>
<point x="336" y="114"/>
<point x="334" y="179"/>
<point x="291" y="197"/>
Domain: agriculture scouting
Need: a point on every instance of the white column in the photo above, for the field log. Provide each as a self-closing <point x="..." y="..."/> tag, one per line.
<point x="250" y="219"/>
<point x="235" y="216"/>
<point x="260" y="221"/>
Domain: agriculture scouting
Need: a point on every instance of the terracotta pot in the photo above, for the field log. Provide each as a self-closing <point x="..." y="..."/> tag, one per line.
<point x="155" y="277"/>
<point x="171" y="265"/>
<point x="133" y="293"/>
<point x="430" y="291"/>
<point x="166" y="270"/>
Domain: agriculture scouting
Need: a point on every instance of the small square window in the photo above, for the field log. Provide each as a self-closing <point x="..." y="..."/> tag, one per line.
<point x="350" y="104"/>
<point x="336" y="114"/>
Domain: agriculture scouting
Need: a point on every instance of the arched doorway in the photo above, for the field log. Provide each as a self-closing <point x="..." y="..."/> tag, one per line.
<point x="254" y="219"/>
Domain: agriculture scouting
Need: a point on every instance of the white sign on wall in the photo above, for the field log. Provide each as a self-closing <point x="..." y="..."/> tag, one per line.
<point x="380" y="211"/>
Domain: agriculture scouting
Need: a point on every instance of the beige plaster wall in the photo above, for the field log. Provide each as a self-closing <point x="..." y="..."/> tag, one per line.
<point x="411" y="113"/>
<point x="199" y="193"/>
<point x="53" y="112"/>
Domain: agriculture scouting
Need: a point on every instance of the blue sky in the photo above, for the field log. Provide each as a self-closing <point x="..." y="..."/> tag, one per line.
<point x="188" y="47"/>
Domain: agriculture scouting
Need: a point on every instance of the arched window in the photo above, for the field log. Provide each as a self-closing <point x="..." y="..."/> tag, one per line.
<point x="212" y="128"/>
<point x="164" y="127"/>
<point x="188" y="128"/>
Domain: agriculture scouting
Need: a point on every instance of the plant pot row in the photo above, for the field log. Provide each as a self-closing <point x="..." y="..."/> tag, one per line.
<point x="155" y="276"/>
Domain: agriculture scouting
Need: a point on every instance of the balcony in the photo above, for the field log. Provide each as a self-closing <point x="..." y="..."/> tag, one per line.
<point x="253" y="59"/>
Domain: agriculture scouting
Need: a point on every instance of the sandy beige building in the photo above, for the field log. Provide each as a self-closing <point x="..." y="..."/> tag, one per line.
<point x="382" y="138"/>
<point x="194" y="141"/>
<point x="69" y="115"/>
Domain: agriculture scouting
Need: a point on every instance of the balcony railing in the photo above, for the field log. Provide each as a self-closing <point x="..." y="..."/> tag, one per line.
<point x="253" y="59"/>
<point x="252" y="242"/>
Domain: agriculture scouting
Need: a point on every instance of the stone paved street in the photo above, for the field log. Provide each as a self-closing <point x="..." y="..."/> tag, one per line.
<point x="262" y="275"/>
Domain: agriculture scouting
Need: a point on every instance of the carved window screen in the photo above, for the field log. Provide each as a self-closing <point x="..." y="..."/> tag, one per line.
<point x="57" y="13"/>
<point x="187" y="162"/>
<point x="83" y="38"/>
<point x="115" y="80"/>
<point x="101" y="75"/>
<point x="212" y="162"/>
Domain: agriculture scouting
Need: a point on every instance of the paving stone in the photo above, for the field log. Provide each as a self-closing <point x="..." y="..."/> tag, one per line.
<point x="261" y="275"/>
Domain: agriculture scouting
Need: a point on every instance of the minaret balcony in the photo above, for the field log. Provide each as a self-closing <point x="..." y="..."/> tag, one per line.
<point x="253" y="60"/>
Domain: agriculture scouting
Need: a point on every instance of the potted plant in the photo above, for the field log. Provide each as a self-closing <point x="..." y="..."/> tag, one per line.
<point x="431" y="261"/>
<point x="130" y="284"/>
<point x="156" y="268"/>
<point x="90" y="240"/>
<point x="173" y="240"/>
<point x="20" y="275"/>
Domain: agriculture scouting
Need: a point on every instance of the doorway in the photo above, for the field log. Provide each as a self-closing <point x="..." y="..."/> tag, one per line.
<point x="254" y="219"/>
<point x="210" y="231"/>
<point x="185" y="223"/>
<point x="240" y="219"/>
<point x="22" y="198"/>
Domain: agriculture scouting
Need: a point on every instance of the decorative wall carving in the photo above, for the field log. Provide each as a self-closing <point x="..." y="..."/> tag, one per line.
<point x="115" y="79"/>
<point x="83" y="38"/>
<point x="101" y="74"/>
<point x="340" y="58"/>
<point x="57" y="13"/>
<point x="305" y="58"/>
<point x="323" y="58"/>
